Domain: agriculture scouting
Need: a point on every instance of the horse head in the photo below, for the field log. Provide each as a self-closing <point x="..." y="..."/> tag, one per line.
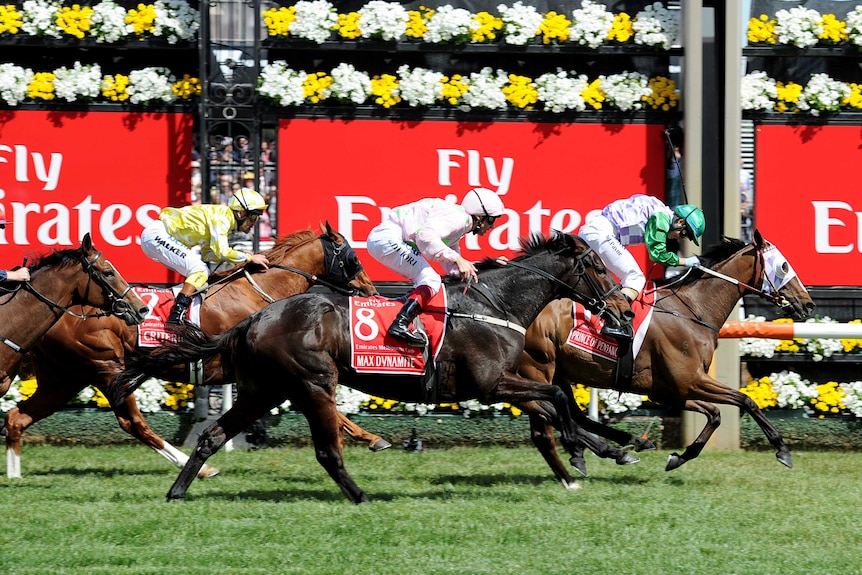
<point x="116" y="295"/>
<point x="588" y="280"/>
<point x="780" y="284"/>
<point x="342" y="265"/>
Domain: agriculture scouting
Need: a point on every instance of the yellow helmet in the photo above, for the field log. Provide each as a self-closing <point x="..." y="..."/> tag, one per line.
<point x="247" y="200"/>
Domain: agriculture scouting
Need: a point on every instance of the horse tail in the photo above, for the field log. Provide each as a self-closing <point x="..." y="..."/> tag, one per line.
<point x="192" y="345"/>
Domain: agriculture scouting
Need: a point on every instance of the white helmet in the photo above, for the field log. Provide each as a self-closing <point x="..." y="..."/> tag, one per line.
<point x="482" y="202"/>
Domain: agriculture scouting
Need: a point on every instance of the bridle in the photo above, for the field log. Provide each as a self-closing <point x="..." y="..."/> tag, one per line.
<point x="759" y="263"/>
<point x="119" y="306"/>
<point x="336" y="273"/>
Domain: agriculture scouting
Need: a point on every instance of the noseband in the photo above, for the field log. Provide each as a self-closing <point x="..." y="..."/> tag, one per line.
<point x="336" y="273"/>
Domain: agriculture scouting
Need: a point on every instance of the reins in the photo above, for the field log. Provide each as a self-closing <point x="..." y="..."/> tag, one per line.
<point x="598" y="306"/>
<point x="118" y="305"/>
<point x="775" y="298"/>
<point x="312" y="279"/>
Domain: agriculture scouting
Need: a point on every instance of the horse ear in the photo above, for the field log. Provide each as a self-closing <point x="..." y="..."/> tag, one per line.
<point x="758" y="239"/>
<point x="328" y="228"/>
<point x="87" y="243"/>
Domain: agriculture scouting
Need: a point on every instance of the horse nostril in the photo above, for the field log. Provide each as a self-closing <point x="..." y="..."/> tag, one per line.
<point x="629" y="314"/>
<point x="143" y="311"/>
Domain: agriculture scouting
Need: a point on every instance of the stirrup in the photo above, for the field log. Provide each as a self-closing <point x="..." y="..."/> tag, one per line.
<point x="413" y="339"/>
<point x="619" y="333"/>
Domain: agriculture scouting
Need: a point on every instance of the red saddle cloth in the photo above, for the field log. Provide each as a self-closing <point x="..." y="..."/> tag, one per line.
<point x="374" y="351"/>
<point x="152" y="332"/>
<point x="587" y="335"/>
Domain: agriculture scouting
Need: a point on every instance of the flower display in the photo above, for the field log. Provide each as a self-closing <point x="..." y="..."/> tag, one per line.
<point x="590" y="24"/>
<point x="788" y="390"/>
<point x="488" y="89"/>
<point x="819" y="348"/>
<point x="821" y="94"/>
<point x="107" y="21"/>
<point x="517" y="24"/>
<point x="85" y="83"/>
<point x="805" y="28"/>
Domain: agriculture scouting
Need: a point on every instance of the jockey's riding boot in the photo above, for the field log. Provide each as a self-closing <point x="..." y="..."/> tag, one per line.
<point x="181" y="306"/>
<point x="400" y="328"/>
<point x="623" y="331"/>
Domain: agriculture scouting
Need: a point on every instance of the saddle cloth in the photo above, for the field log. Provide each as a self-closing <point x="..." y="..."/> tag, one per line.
<point x="374" y="351"/>
<point x="152" y="332"/>
<point x="586" y="334"/>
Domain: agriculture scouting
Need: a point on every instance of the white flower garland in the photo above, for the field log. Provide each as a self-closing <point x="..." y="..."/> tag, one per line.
<point x="822" y="93"/>
<point x="419" y="87"/>
<point x="151" y="84"/>
<point x="79" y="82"/>
<point x="560" y="91"/>
<point x="175" y="20"/>
<point x="656" y="26"/>
<point x="798" y="26"/>
<point x="626" y="91"/>
<point x="108" y="22"/>
<point x="349" y="84"/>
<point x="520" y="23"/>
<point x="486" y="90"/>
<point x="590" y="24"/>
<point x="282" y="84"/>
<point x="383" y="20"/>
<point x="13" y="83"/>
<point x="315" y="20"/>
<point x="40" y="18"/>
<point x="448" y="24"/>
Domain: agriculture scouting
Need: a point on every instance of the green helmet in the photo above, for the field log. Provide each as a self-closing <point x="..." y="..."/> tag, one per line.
<point x="695" y="222"/>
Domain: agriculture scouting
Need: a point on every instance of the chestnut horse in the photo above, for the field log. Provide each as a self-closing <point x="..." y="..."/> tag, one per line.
<point x="58" y="281"/>
<point x="76" y="353"/>
<point x="299" y="349"/>
<point x="672" y="365"/>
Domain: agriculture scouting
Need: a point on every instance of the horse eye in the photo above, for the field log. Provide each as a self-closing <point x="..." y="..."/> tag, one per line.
<point x="785" y="267"/>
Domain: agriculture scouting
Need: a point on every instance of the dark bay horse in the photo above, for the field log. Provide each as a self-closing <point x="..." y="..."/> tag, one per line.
<point x="76" y="353"/>
<point x="59" y="281"/>
<point x="672" y="366"/>
<point x="299" y="349"/>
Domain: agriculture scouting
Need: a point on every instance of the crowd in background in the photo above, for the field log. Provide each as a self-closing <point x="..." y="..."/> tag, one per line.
<point x="231" y="168"/>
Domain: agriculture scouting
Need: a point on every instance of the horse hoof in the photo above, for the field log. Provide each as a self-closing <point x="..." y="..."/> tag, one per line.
<point x="208" y="471"/>
<point x="627" y="458"/>
<point x="673" y="461"/>
<point x="642" y="444"/>
<point x="579" y="464"/>
<point x="571" y="485"/>
<point x="784" y="457"/>
<point x="379" y="445"/>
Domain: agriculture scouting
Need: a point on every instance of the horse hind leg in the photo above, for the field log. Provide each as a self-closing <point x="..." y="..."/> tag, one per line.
<point x="713" y="420"/>
<point x="325" y="425"/>
<point x="375" y="442"/>
<point x="132" y="421"/>
<point x="772" y="435"/>
<point x="243" y="413"/>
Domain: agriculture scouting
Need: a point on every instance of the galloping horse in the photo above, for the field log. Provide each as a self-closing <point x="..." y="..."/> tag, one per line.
<point x="58" y="281"/>
<point x="300" y="348"/>
<point x="673" y="362"/>
<point x="76" y="353"/>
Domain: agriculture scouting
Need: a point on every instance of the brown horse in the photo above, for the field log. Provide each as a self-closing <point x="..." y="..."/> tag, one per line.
<point x="672" y="366"/>
<point x="58" y="281"/>
<point x="76" y="353"/>
<point x="299" y="349"/>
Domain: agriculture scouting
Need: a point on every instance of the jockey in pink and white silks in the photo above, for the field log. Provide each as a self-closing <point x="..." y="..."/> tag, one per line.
<point x="640" y="219"/>
<point x="425" y="231"/>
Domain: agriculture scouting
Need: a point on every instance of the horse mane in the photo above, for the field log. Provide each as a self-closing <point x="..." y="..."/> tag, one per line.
<point x="58" y="259"/>
<point x="277" y="252"/>
<point x="712" y="255"/>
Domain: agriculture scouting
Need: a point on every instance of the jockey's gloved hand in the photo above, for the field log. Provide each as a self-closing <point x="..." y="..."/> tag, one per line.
<point x="690" y="261"/>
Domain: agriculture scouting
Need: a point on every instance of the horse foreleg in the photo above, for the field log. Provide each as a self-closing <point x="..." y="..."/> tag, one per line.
<point x="132" y="421"/>
<point x="542" y="436"/>
<point x="325" y="425"/>
<point x="243" y="413"/>
<point x="375" y="442"/>
<point x="713" y="420"/>
<point x="45" y="400"/>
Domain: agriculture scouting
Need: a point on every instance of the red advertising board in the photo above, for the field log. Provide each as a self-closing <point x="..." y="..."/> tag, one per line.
<point x="63" y="174"/>
<point x="351" y="172"/>
<point x="808" y="199"/>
